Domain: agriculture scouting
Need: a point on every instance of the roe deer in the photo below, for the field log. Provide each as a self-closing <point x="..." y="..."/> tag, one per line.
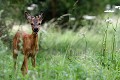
<point x="29" y="42"/>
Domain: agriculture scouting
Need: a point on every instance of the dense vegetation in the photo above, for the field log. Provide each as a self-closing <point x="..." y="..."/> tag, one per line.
<point x="71" y="48"/>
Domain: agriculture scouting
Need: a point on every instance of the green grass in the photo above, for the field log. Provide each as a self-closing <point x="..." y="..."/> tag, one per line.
<point x="68" y="55"/>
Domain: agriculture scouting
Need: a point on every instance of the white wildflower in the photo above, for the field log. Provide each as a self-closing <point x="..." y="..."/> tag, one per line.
<point x="109" y="11"/>
<point x="117" y="7"/>
<point x="34" y="5"/>
<point x="30" y="8"/>
<point x="72" y="18"/>
<point x="87" y="17"/>
<point x="109" y="20"/>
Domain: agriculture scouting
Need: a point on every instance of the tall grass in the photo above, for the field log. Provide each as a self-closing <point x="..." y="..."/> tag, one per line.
<point x="69" y="55"/>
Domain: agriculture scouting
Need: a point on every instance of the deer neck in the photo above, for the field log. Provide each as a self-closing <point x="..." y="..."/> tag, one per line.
<point x="34" y="40"/>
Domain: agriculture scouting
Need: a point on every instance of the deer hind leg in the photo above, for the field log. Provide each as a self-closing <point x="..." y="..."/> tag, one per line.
<point x="15" y="52"/>
<point x="24" y="67"/>
<point x="33" y="60"/>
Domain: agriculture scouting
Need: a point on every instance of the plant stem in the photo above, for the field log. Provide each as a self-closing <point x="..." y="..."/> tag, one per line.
<point x="104" y="45"/>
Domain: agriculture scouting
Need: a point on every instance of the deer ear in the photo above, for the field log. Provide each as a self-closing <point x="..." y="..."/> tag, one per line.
<point x="28" y="16"/>
<point x="41" y="16"/>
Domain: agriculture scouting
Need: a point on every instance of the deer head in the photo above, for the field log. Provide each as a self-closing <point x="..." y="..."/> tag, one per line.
<point x="34" y="21"/>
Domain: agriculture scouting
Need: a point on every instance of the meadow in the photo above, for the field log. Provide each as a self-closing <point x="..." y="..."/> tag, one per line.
<point x="70" y="55"/>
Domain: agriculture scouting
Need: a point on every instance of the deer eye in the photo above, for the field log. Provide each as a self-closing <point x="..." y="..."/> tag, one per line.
<point x="31" y="23"/>
<point x="38" y="23"/>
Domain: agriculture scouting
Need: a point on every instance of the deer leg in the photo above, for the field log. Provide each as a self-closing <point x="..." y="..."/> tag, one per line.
<point x="33" y="60"/>
<point x="15" y="54"/>
<point x="24" y="67"/>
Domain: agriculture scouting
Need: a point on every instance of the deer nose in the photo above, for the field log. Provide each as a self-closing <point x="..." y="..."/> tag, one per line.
<point x="35" y="29"/>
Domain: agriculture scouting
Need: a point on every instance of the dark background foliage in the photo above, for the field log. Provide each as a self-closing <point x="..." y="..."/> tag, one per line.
<point x="13" y="10"/>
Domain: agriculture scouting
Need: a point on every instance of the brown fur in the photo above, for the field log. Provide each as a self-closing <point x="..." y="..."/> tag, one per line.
<point x="29" y="44"/>
<point x="30" y="47"/>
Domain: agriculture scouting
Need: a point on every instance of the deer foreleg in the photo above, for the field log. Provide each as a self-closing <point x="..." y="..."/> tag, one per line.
<point x="33" y="60"/>
<point x="24" y="67"/>
<point x="36" y="48"/>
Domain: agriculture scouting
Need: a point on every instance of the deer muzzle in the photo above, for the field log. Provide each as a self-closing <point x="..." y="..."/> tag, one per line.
<point x="36" y="30"/>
